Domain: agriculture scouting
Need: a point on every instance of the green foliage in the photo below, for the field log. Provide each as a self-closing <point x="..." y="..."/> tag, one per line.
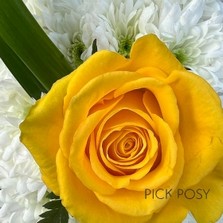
<point x="181" y="55"/>
<point x="27" y="51"/>
<point x="22" y="73"/>
<point x="125" y="45"/>
<point x="56" y="213"/>
<point x="77" y="48"/>
<point x="94" y="47"/>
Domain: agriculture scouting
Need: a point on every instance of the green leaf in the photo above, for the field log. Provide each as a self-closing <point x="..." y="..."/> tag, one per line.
<point x="53" y="204"/>
<point x="55" y="216"/>
<point x="51" y="195"/>
<point x="56" y="213"/>
<point x="24" y="76"/>
<point x="94" y="47"/>
<point x="48" y="214"/>
<point x="27" y="50"/>
<point x="44" y="221"/>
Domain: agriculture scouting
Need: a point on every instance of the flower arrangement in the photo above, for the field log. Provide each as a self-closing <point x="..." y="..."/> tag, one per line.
<point x="128" y="122"/>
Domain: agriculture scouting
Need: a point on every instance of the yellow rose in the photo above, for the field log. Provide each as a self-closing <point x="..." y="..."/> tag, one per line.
<point x="130" y="140"/>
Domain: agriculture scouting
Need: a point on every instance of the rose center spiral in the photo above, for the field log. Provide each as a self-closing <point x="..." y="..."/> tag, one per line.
<point x="124" y="149"/>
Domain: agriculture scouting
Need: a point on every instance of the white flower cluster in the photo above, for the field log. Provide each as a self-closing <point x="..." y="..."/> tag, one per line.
<point x="192" y="29"/>
<point x="21" y="189"/>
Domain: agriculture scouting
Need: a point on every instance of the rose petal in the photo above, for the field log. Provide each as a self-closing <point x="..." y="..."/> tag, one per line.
<point x="128" y="112"/>
<point x="81" y="202"/>
<point x="79" y="152"/>
<point x="98" y="64"/>
<point x="171" y="163"/>
<point x="140" y="205"/>
<point x="118" y="181"/>
<point x="173" y="211"/>
<point x="47" y="114"/>
<point x="201" y="125"/>
<point x="163" y="94"/>
<point x="86" y="98"/>
<point x="209" y="207"/>
<point x="149" y="51"/>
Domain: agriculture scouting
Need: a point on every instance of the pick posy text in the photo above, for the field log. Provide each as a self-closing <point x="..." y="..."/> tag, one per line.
<point x="161" y="193"/>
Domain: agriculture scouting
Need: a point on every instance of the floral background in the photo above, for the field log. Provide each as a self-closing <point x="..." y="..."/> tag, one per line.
<point x="192" y="30"/>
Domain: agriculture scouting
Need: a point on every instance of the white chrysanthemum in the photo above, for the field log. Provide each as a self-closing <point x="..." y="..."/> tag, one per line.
<point x="68" y="24"/>
<point x="192" y="29"/>
<point x="22" y="191"/>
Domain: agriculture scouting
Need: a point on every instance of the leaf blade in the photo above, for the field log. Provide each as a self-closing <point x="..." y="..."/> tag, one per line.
<point x="19" y="69"/>
<point x="22" y="34"/>
<point x="55" y="211"/>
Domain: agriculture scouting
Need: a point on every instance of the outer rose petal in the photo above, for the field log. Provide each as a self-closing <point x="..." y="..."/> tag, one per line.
<point x="210" y="209"/>
<point x="82" y="203"/>
<point x="96" y="65"/>
<point x="207" y="209"/>
<point x="173" y="211"/>
<point x="149" y="51"/>
<point x="40" y="131"/>
<point x="201" y="125"/>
